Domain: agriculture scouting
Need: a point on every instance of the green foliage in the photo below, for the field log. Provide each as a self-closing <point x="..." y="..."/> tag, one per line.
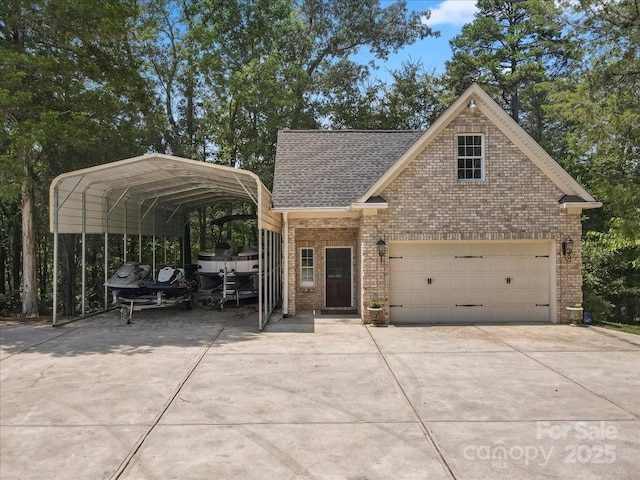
<point x="413" y="100"/>
<point x="10" y="303"/>
<point x="600" y="107"/>
<point x="86" y="82"/>
<point x="512" y="49"/>
<point x="71" y="96"/>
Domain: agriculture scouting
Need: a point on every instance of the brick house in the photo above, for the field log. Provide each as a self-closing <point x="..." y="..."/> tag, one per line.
<point x="467" y="221"/>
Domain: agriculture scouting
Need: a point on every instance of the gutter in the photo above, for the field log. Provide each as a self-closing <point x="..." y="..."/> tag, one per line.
<point x="580" y="205"/>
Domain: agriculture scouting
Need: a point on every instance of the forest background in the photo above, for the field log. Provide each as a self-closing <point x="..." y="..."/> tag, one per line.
<point x="85" y="82"/>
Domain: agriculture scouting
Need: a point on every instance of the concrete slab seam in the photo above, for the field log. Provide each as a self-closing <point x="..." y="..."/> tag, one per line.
<point x="88" y="315"/>
<point x="127" y="460"/>
<point x="603" y="332"/>
<point x="631" y="412"/>
<point x="423" y="427"/>
<point x="38" y="344"/>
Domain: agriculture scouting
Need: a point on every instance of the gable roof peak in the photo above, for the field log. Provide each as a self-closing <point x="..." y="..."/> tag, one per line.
<point x="484" y="104"/>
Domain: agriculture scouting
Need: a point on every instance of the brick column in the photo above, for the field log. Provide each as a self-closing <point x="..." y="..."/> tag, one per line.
<point x="569" y="292"/>
<point x="375" y="269"/>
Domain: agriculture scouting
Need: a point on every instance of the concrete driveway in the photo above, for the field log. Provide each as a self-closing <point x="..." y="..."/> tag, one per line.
<point x="198" y="396"/>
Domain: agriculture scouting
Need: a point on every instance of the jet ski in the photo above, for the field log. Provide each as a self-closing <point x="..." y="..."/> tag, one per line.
<point x="129" y="281"/>
<point x="171" y="282"/>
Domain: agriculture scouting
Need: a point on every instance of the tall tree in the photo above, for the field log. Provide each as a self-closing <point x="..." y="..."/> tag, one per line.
<point x="71" y="97"/>
<point x="412" y="99"/>
<point x="600" y="104"/>
<point x="511" y="48"/>
<point x="332" y="31"/>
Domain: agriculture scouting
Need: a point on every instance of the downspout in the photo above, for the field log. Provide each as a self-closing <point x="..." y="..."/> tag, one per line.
<point x="285" y="267"/>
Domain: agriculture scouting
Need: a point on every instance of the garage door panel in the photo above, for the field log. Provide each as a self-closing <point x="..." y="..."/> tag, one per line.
<point x="415" y="315"/>
<point x="442" y="297"/>
<point x="438" y="265"/>
<point x="538" y="314"/>
<point x="470" y="297"/>
<point x="402" y="280"/>
<point x="470" y="282"/>
<point x="475" y="313"/>
<point x="500" y="264"/>
<point x="399" y="266"/>
<point x="409" y="297"/>
<point x="462" y="264"/>
<point x="537" y="264"/>
<point x="419" y="264"/>
<point x="537" y="296"/>
<point x="494" y="281"/>
<point x="538" y="281"/>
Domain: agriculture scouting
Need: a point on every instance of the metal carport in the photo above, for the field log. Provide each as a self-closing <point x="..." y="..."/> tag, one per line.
<point x="151" y="195"/>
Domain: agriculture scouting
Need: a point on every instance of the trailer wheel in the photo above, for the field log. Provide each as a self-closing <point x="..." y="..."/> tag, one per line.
<point x="124" y="314"/>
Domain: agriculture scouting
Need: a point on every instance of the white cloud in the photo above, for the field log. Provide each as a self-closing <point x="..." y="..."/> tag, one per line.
<point x="452" y="12"/>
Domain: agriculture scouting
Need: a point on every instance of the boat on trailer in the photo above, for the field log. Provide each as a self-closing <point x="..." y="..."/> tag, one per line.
<point x="226" y="273"/>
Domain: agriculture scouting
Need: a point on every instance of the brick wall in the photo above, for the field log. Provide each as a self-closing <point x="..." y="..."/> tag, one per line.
<point x="319" y="234"/>
<point x="516" y="201"/>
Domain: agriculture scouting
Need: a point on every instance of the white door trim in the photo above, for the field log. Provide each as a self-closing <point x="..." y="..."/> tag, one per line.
<point x="324" y="299"/>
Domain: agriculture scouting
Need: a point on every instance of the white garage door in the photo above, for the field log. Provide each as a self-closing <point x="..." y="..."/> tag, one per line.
<point x="459" y="282"/>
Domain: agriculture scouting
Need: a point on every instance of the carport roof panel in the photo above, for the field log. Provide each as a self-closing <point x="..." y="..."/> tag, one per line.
<point x="171" y="182"/>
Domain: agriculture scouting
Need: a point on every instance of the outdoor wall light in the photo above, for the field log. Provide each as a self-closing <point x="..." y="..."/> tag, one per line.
<point x="567" y="248"/>
<point x="382" y="247"/>
<point x="472" y="106"/>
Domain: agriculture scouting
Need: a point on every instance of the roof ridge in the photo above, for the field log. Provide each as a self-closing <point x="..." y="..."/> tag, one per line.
<point x="349" y="130"/>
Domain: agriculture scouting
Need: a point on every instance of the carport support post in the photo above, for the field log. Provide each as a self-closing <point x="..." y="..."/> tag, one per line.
<point x="260" y="280"/>
<point x="124" y="237"/>
<point x="84" y="250"/>
<point x="153" y="229"/>
<point x="270" y="305"/>
<point x="55" y="256"/>
<point x="106" y="251"/>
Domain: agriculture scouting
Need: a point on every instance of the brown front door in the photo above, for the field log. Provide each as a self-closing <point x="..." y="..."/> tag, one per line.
<point x="338" y="272"/>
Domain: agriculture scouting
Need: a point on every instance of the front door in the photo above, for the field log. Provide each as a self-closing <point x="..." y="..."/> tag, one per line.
<point x="338" y="273"/>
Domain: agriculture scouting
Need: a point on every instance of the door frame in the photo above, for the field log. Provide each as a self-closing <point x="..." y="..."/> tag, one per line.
<point x="324" y="276"/>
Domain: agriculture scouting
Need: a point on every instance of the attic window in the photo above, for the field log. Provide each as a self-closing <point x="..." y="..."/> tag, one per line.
<point x="470" y="158"/>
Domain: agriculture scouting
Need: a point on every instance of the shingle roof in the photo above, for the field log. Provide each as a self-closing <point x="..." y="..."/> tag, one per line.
<point x="333" y="168"/>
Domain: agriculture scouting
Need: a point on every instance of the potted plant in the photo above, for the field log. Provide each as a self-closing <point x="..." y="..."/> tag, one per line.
<point x="375" y="307"/>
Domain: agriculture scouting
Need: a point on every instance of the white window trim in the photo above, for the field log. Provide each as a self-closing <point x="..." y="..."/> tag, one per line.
<point x="304" y="284"/>
<point x="482" y="159"/>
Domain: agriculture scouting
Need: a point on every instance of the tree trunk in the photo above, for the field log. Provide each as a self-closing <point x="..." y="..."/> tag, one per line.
<point x="29" y="272"/>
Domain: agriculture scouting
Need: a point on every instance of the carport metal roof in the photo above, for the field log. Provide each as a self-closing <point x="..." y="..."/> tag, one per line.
<point x="107" y="198"/>
<point x="152" y="195"/>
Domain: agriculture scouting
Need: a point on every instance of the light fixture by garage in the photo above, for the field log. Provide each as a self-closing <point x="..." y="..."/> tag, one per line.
<point x="567" y="248"/>
<point x="382" y="247"/>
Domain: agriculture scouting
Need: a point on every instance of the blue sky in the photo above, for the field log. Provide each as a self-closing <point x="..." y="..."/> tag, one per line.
<point x="447" y="16"/>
